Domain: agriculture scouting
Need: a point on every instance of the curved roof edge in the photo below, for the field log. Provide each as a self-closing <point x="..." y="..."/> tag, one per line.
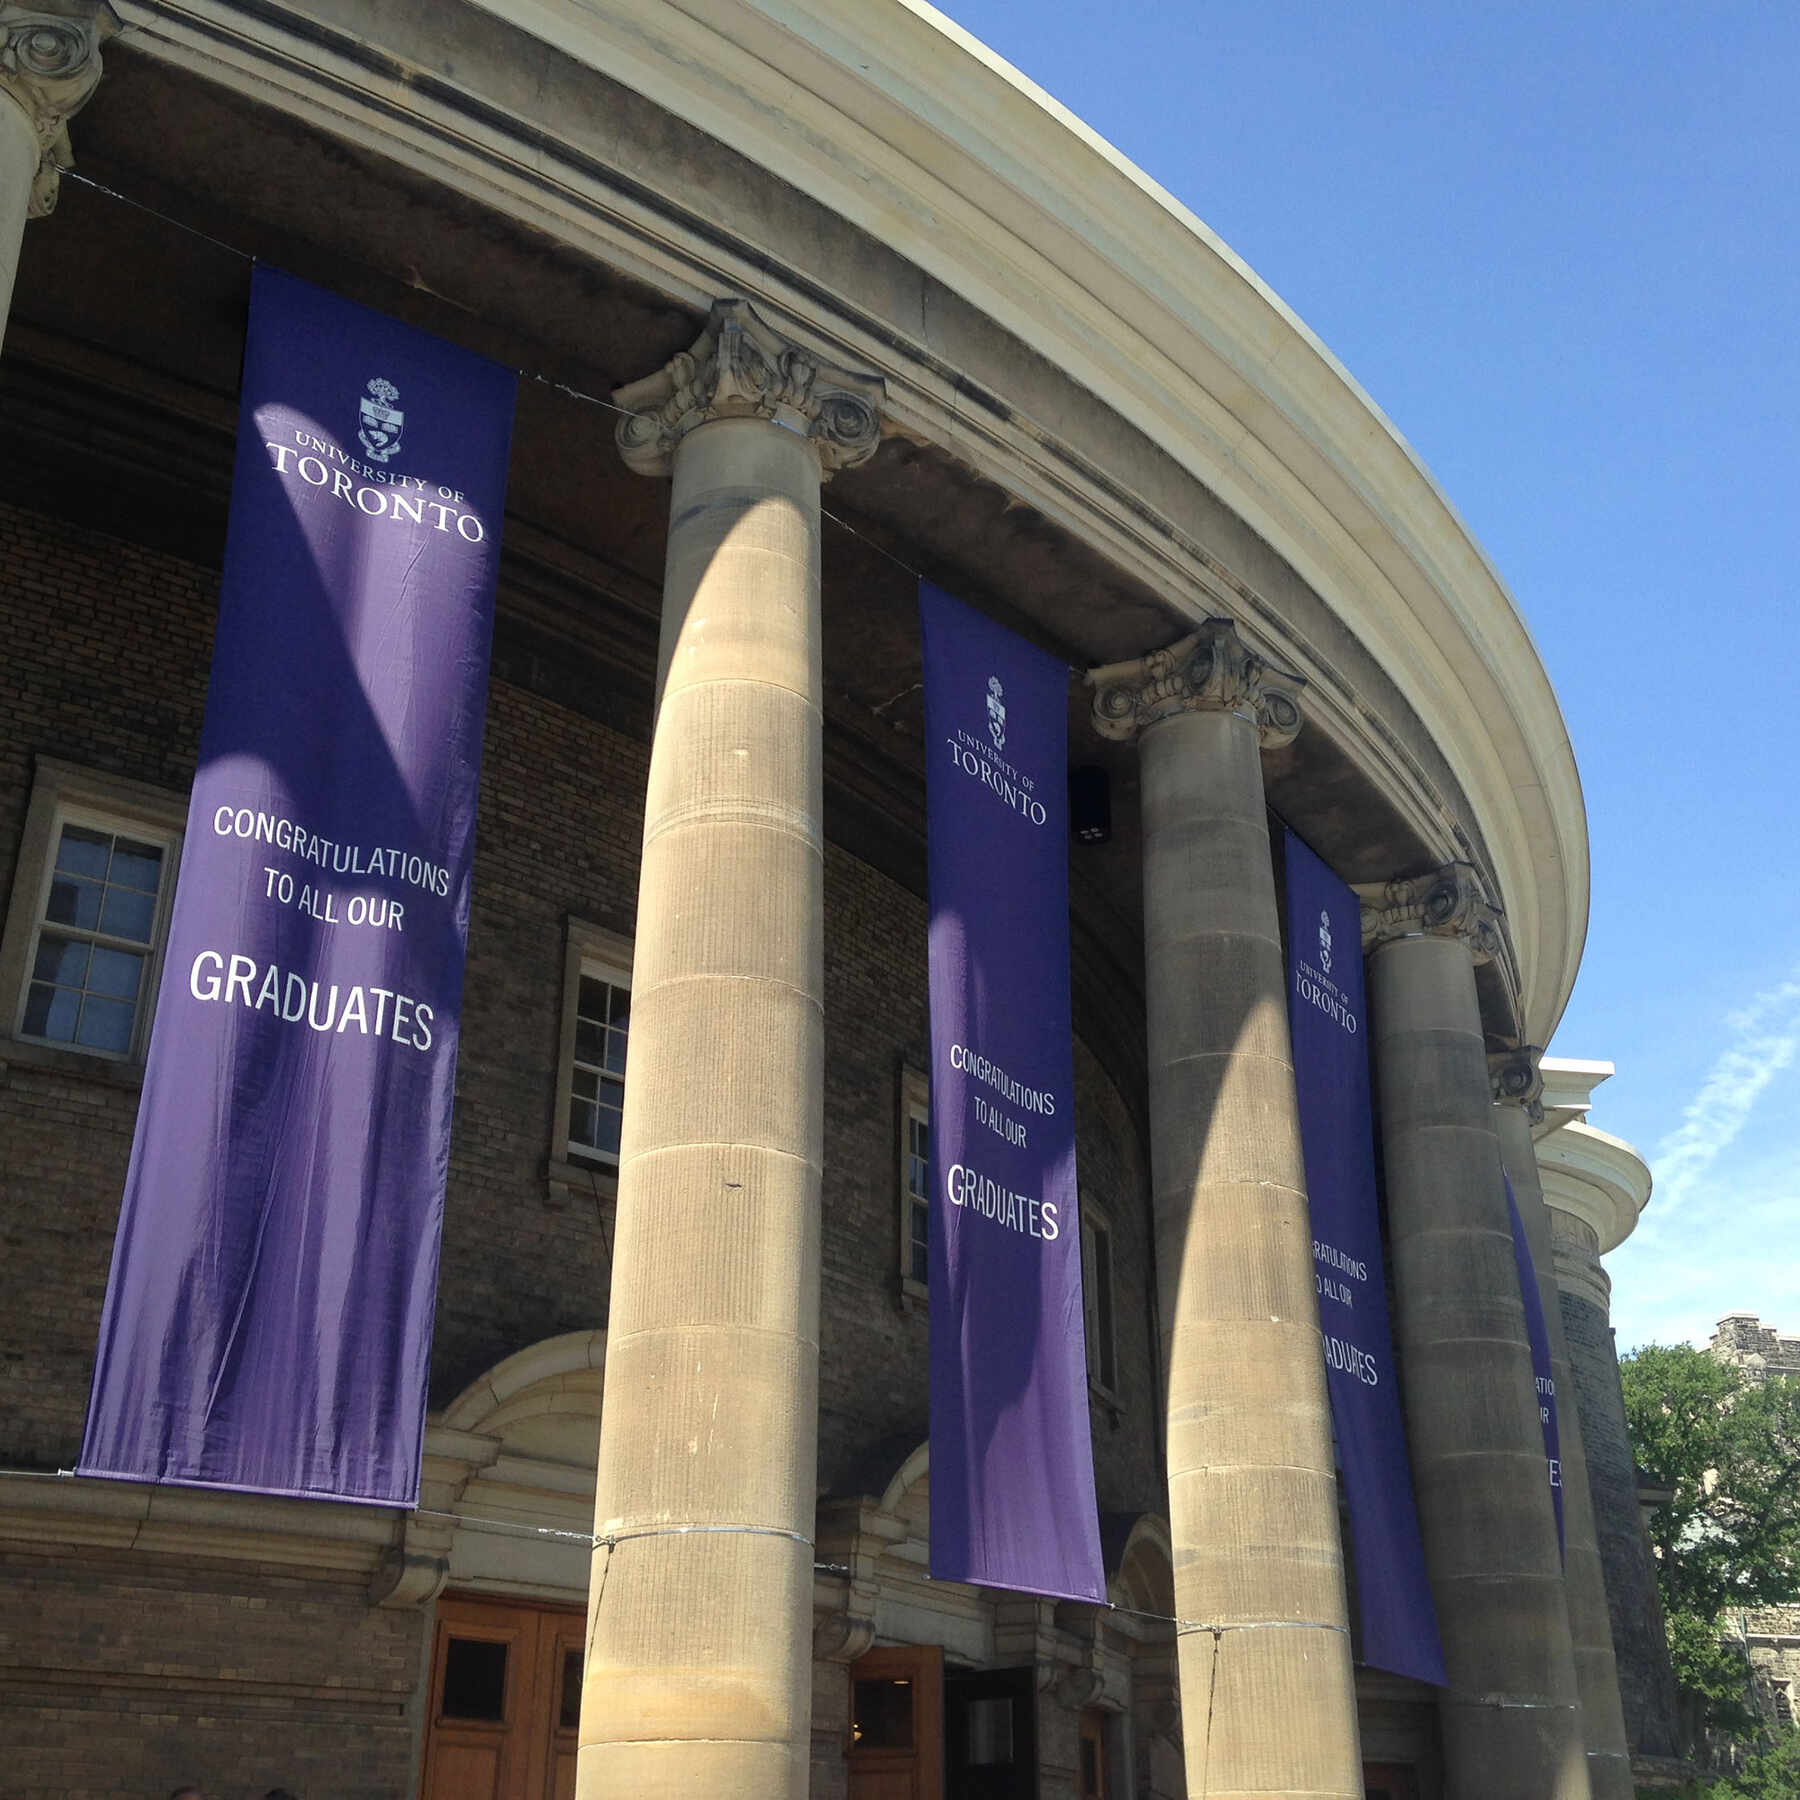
<point x="1597" y="1178"/>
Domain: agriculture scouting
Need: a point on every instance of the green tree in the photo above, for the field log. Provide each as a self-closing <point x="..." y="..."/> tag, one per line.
<point x="1774" y="1775"/>
<point x="1728" y="1537"/>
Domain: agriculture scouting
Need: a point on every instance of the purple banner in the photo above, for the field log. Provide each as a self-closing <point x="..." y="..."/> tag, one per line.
<point x="1542" y="1371"/>
<point x="1012" y="1468"/>
<point x="268" y="1319"/>
<point x="1337" y="1134"/>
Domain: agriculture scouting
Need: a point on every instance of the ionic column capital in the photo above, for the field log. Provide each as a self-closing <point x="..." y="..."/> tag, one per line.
<point x="1451" y="901"/>
<point x="741" y="367"/>
<point x="1209" y="670"/>
<point x="1515" y="1079"/>
<point x="50" y="66"/>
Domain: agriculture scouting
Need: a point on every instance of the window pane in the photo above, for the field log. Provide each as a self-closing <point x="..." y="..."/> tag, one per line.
<point x="592" y="1004"/>
<point x="615" y="1052"/>
<point x="585" y="1085"/>
<point x="590" y="1040"/>
<point x="881" y="1715"/>
<point x="620" y="1015"/>
<point x="84" y="852"/>
<point x="62" y="960"/>
<point x="105" y="1025"/>
<point x="128" y="914"/>
<point x="51" y="1013"/>
<point x="114" y="972"/>
<point x="136" y="865"/>
<point x="474" y="1680"/>
<point x="606" y="1131"/>
<point x="582" y="1117"/>
<point x="568" y="1714"/>
<point x="73" y="902"/>
<point x="990" y="1732"/>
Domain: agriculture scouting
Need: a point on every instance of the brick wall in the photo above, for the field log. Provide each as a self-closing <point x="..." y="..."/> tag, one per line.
<point x="124" y="1675"/>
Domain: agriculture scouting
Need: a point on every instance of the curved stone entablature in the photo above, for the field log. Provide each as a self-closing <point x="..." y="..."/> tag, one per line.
<point x="742" y="368"/>
<point x="1041" y="313"/>
<point x="1209" y="670"/>
<point x="1596" y="1178"/>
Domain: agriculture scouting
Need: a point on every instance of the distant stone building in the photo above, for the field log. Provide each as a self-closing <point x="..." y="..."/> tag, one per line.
<point x="1758" y="1349"/>
<point x="1770" y="1635"/>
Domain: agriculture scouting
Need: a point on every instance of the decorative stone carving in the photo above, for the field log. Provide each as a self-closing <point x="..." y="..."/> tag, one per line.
<point x="1514" y="1077"/>
<point x="1209" y="670"/>
<point x="1449" y="902"/>
<point x="742" y="368"/>
<point x="841" y="1636"/>
<point x="50" y="65"/>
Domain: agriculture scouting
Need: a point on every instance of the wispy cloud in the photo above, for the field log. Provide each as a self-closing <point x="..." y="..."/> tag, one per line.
<point x="1765" y="1037"/>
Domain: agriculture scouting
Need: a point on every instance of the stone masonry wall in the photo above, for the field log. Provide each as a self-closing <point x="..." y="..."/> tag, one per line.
<point x="1646" y="1685"/>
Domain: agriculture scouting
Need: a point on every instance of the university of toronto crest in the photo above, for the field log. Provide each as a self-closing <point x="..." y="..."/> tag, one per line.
<point x="996" y="713"/>
<point x="379" y="431"/>
<point x="1325" y="942"/>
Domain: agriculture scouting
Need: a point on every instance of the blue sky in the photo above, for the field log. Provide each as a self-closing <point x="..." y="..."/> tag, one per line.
<point x="1560" y="247"/>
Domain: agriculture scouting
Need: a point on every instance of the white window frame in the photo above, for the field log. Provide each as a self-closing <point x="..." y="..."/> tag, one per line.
<point x="600" y="955"/>
<point x="914" y="1104"/>
<point x="63" y="793"/>
<point x="1096" y="1225"/>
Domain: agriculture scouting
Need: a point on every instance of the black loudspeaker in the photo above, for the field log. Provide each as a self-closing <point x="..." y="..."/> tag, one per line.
<point x="1090" y="805"/>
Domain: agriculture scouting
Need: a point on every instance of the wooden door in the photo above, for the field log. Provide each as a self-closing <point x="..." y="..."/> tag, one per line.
<point x="897" y="1724"/>
<point x="505" y="1702"/>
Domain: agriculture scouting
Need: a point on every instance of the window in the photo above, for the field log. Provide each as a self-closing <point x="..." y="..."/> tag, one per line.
<point x="89" y="914"/>
<point x="590" y="1088"/>
<point x="1097" y="1297"/>
<point x="915" y="1187"/>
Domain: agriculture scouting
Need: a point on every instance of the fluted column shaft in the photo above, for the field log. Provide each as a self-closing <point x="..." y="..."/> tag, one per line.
<point x="700" y="1616"/>
<point x="49" y="68"/>
<point x="1584" y="1582"/>
<point x="1510" y="1717"/>
<point x="1267" y="1687"/>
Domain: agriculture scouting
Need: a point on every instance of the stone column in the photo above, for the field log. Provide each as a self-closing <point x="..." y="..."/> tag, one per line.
<point x="1518" y="1106"/>
<point x="700" y="1612"/>
<point x="1510" y="1715"/>
<point x="49" y="67"/>
<point x="1267" y="1688"/>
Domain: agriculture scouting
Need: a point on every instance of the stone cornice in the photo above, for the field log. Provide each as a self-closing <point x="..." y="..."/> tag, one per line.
<point x="1449" y="902"/>
<point x="307" y="1536"/>
<point x="1210" y="670"/>
<point x="741" y="367"/>
<point x="50" y="65"/>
